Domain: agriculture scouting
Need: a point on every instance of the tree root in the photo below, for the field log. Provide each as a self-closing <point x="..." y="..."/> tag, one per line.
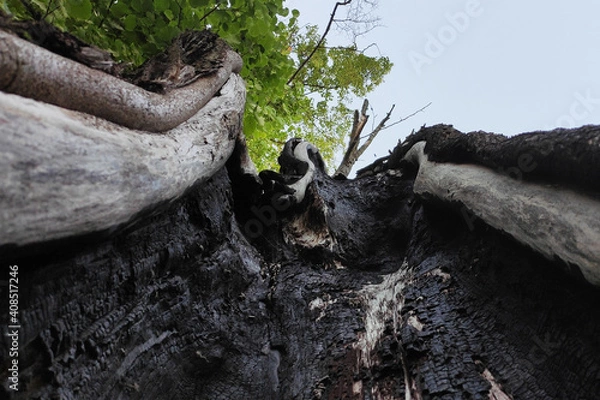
<point x="67" y="174"/>
<point x="31" y="71"/>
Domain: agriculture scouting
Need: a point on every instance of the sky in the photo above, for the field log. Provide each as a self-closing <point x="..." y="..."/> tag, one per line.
<point x="497" y="66"/>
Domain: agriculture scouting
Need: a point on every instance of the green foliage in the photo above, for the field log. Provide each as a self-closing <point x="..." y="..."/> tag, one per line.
<point x="265" y="33"/>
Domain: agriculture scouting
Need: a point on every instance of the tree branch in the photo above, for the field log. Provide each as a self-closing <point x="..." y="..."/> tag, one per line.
<point x="100" y="174"/>
<point x="372" y="136"/>
<point x="354" y="152"/>
<point x="215" y="8"/>
<point x="405" y="118"/>
<point x="72" y="85"/>
<point x="320" y="42"/>
<point x="319" y="86"/>
<point x="360" y="120"/>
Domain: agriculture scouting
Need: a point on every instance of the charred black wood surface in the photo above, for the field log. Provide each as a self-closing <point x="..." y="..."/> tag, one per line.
<point x="567" y="156"/>
<point x="361" y="291"/>
<point x="170" y="308"/>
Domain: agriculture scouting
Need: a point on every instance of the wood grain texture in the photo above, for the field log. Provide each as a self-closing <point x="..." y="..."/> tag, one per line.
<point x="67" y="173"/>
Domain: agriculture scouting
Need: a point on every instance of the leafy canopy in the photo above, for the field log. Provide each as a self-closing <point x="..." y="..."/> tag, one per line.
<point x="266" y="34"/>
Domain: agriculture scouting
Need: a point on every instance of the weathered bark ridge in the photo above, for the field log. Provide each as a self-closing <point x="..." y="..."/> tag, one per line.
<point x="555" y="222"/>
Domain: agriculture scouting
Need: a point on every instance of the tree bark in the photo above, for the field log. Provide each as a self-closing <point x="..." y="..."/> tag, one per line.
<point x="294" y="285"/>
<point x="68" y="173"/>
<point x="31" y="71"/>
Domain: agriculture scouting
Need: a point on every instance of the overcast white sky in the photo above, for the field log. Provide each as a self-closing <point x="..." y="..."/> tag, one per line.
<point x="499" y="66"/>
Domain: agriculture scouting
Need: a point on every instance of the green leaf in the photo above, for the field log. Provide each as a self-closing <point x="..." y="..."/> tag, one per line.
<point x="161" y="5"/>
<point x="231" y="38"/>
<point x="267" y="36"/>
<point x="199" y="3"/>
<point x="80" y="9"/>
<point x="119" y="9"/>
<point x="141" y="5"/>
<point x="130" y="22"/>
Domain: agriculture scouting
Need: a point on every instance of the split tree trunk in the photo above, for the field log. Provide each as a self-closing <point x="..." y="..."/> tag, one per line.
<point x="404" y="301"/>
<point x="342" y="289"/>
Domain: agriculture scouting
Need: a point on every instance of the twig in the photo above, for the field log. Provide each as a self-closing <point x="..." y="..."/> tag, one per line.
<point x="215" y="8"/>
<point x="110" y="4"/>
<point x="179" y="15"/>
<point x="407" y="117"/>
<point x="320" y="42"/>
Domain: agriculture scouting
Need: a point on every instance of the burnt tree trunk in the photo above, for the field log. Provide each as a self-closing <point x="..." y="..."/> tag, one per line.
<point x="360" y="291"/>
<point x="400" y="284"/>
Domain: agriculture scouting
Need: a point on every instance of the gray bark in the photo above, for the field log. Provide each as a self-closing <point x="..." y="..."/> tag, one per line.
<point x="379" y="294"/>
<point x="68" y="173"/>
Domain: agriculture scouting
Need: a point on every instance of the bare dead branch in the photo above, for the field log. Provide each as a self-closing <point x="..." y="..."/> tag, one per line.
<point x="407" y="117"/>
<point x="359" y="20"/>
<point x="353" y="151"/>
<point x="374" y="133"/>
<point x="360" y="120"/>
